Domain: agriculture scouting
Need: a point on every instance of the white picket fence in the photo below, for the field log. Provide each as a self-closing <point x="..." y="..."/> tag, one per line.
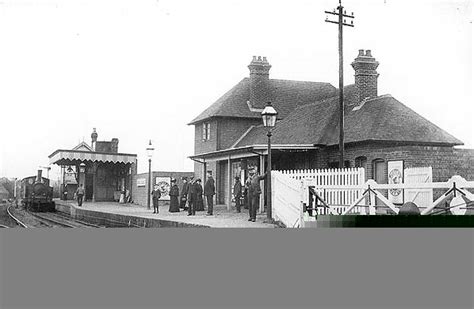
<point x="343" y="191"/>
<point x="337" y="199"/>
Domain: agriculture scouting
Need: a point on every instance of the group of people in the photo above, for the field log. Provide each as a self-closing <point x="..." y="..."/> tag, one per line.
<point x="190" y="197"/>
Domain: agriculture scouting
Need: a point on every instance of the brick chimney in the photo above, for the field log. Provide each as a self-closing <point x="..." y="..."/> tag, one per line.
<point x="114" y="145"/>
<point x="259" y="81"/>
<point x="94" y="136"/>
<point x="365" y="67"/>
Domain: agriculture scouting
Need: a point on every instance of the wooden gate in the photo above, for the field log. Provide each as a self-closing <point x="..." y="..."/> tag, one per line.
<point x="421" y="197"/>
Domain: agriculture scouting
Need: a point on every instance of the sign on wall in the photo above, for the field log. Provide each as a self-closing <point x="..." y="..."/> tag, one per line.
<point x="141" y="182"/>
<point x="395" y="176"/>
<point x="164" y="184"/>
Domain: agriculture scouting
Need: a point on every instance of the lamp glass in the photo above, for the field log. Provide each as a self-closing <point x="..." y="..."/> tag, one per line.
<point x="269" y="115"/>
<point x="82" y="167"/>
<point x="149" y="150"/>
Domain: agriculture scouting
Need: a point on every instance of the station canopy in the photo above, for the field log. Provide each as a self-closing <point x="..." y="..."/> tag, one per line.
<point x="69" y="157"/>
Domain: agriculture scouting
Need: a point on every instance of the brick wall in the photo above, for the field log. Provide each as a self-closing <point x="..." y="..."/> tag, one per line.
<point x="203" y="146"/>
<point x="140" y="194"/>
<point x="445" y="161"/>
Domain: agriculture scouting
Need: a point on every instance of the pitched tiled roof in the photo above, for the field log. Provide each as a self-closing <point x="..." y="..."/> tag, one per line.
<point x="380" y="119"/>
<point x="285" y="95"/>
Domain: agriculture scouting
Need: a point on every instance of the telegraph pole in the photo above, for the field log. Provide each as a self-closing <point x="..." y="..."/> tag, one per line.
<point x="341" y="22"/>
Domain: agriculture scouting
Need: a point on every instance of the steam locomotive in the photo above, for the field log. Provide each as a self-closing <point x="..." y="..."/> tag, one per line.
<point x="36" y="194"/>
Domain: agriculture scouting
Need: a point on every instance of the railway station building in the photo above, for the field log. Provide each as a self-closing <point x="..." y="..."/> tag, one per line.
<point x="105" y="173"/>
<point x="230" y="137"/>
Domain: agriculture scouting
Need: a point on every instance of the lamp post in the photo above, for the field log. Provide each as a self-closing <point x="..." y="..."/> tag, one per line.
<point x="149" y="151"/>
<point x="269" y="115"/>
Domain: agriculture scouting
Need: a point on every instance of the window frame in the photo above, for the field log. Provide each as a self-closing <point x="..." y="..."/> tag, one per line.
<point x="206" y="131"/>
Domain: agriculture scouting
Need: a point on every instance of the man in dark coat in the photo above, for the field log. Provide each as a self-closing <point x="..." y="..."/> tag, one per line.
<point x="237" y="193"/>
<point x="156" y="193"/>
<point x="191" y="198"/>
<point x="184" y="193"/>
<point x="254" y="192"/>
<point x="174" y="194"/>
<point x="209" y="191"/>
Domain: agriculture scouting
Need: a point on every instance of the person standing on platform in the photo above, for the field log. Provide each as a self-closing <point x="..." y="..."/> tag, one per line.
<point x="80" y="195"/>
<point x="199" y="203"/>
<point x="174" y="195"/>
<point x="191" y="197"/>
<point x="156" y="193"/>
<point x="254" y="192"/>
<point x="237" y="193"/>
<point x="209" y="191"/>
<point x="184" y="193"/>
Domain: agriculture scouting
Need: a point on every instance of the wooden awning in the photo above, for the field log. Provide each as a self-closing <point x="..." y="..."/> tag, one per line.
<point x="65" y="157"/>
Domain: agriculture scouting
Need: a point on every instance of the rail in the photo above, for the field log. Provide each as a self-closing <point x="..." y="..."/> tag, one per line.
<point x="15" y="218"/>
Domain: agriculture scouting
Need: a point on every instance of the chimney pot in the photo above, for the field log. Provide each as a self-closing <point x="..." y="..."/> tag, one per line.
<point x="361" y="52"/>
<point x="254" y="58"/>
<point x="259" y="58"/>
<point x="368" y="53"/>
<point x="264" y="59"/>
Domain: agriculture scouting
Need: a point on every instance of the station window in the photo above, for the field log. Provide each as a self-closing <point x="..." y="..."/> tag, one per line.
<point x="206" y="131"/>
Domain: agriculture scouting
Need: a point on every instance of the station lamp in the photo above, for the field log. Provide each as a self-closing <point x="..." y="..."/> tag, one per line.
<point x="149" y="152"/>
<point x="269" y="116"/>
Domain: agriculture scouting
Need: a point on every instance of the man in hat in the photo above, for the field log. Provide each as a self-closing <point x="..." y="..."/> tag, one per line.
<point x="80" y="195"/>
<point x="237" y="192"/>
<point x="191" y="198"/>
<point x="254" y="192"/>
<point x="209" y="191"/>
<point x="156" y="193"/>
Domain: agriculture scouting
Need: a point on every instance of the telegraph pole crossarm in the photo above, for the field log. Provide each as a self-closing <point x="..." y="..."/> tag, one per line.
<point x="341" y="14"/>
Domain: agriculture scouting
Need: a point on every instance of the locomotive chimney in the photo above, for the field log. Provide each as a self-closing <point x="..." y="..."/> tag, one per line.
<point x="38" y="177"/>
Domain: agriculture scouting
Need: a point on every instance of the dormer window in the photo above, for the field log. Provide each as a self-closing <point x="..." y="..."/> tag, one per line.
<point x="206" y="131"/>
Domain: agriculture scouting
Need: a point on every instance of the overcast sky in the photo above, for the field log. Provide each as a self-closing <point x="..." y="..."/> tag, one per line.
<point x="142" y="69"/>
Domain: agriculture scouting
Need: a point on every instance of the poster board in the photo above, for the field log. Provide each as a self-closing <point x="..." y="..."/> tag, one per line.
<point x="141" y="182"/>
<point x="164" y="184"/>
<point x="395" y="176"/>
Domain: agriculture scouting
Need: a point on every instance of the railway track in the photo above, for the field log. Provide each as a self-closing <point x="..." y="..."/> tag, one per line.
<point x="27" y="219"/>
<point x="18" y="221"/>
<point x="57" y="219"/>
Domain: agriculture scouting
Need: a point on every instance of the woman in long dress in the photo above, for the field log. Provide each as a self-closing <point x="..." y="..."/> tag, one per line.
<point x="199" y="201"/>
<point x="174" y="194"/>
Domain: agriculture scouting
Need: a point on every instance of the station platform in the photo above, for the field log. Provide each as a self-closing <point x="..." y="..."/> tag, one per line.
<point x="222" y="218"/>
